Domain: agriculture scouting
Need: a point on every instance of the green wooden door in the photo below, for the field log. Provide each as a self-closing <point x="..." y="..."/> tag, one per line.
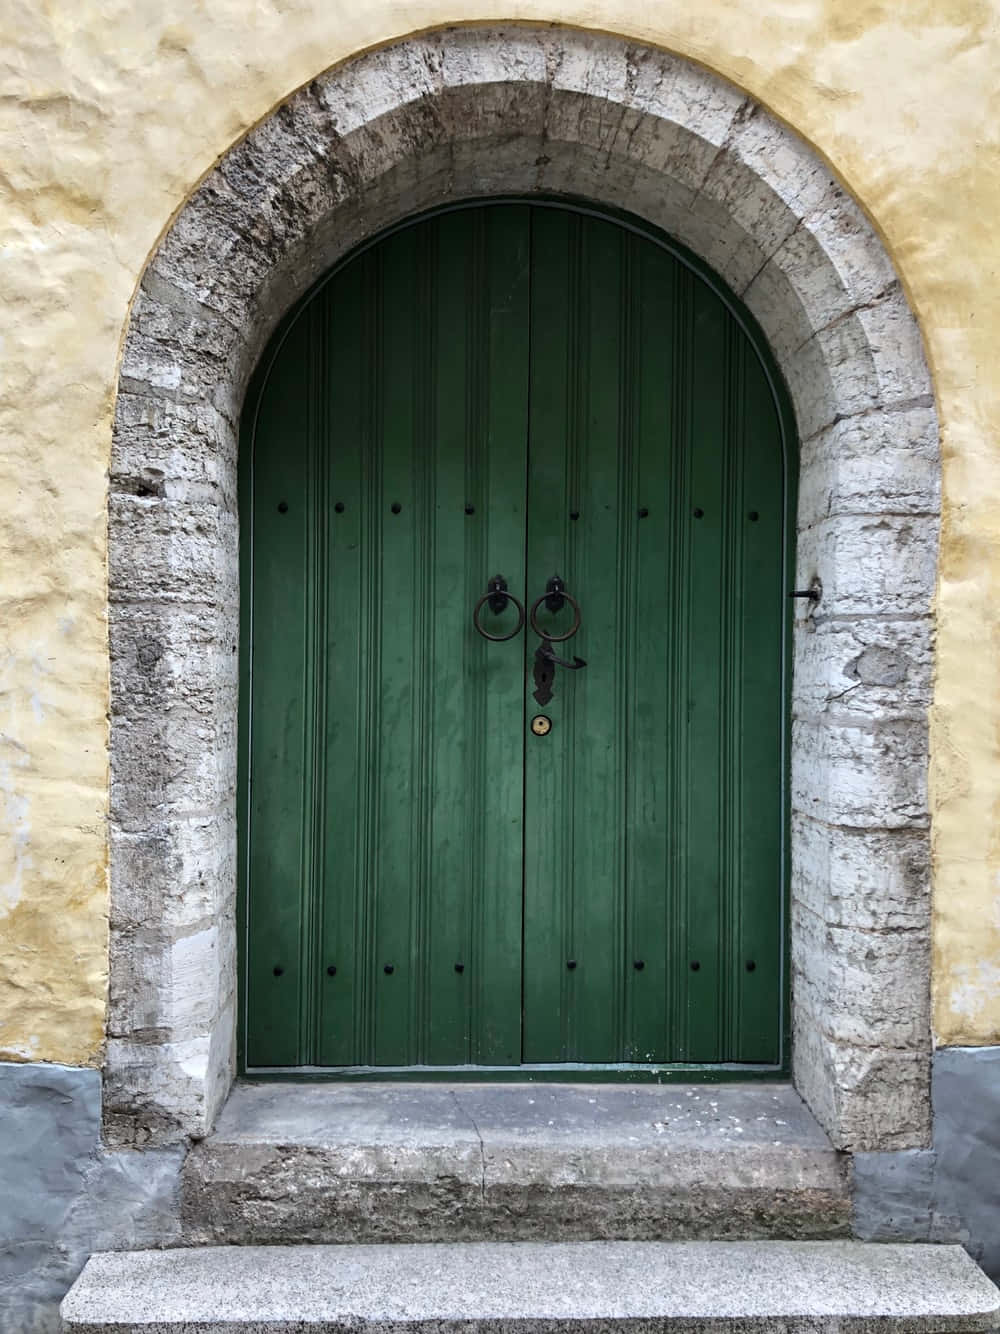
<point x="531" y="391"/>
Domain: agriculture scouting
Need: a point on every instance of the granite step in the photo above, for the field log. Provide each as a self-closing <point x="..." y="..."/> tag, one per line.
<point x="536" y="1288"/>
<point x="340" y="1163"/>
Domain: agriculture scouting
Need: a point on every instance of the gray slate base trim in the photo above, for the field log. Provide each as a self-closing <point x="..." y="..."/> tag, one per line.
<point x="950" y="1192"/>
<point x="644" y="1286"/>
<point x="63" y="1196"/>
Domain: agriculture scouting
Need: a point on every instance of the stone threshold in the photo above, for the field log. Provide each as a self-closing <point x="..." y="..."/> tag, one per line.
<point x="777" y="1287"/>
<point x="326" y="1162"/>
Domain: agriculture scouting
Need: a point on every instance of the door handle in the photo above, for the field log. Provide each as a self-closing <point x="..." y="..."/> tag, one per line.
<point x="496" y="597"/>
<point x="546" y="660"/>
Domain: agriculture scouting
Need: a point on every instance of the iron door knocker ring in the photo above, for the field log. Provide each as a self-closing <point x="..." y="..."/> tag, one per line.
<point x="544" y="634"/>
<point x="498" y="596"/>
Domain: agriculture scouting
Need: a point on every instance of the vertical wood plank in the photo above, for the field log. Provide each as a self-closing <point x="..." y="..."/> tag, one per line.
<point x="348" y="311"/>
<point x="707" y="581"/>
<point x="277" y="852"/>
<point x="757" y="787"/>
<point x="655" y="629"/>
<point x="549" y="923"/>
<point x="499" y="668"/>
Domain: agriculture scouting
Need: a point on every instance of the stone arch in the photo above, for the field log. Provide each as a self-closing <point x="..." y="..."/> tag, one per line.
<point x="482" y="111"/>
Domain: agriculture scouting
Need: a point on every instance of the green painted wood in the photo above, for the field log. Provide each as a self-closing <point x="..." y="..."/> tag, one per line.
<point x="438" y="886"/>
<point x="392" y="779"/>
<point x="277" y="852"/>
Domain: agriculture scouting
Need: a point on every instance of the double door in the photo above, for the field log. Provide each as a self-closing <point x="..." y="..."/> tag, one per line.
<point x="441" y="870"/>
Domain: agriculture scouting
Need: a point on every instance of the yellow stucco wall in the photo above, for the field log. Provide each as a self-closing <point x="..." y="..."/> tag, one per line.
<point x="111" y="112"/>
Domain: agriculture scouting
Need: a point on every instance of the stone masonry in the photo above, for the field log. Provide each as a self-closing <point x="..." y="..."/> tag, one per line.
<point x="477" y="112"/>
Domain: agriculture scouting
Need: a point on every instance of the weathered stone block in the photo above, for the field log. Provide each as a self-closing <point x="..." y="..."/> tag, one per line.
<point x="211" y="261"/>
<point x="850" y="357"/>
<point x="885" y="463"/>
<point x="284" y="174"/>
<point x="849" y="382"/>
<point x="176" y="874"/>
<point x="882" y="565"/>
<point x="674" y="90"/>
<point x="394" y="77"/>
<point x="643" y="194"/>
<point x="572" y="117"/>
<point x="173" y="550"/>
<point x="663" y="149"/>
<point x="866" y="1098"/>
<point x="772" y="297"/>
<point x="166" y="770"/>
<point x="860" y="773"/>
<point x="596" y="67"/>
<point x="515" y="56"/>
<point x="870" y="668"/>
<point x="495" y="112"/>
<point x="193" y="334"/>
<point x="732" y="252"/>
<point x="893" y="336"/>
<point x="785" y="162"/>
<point x="173" y="372"/>
<point x="174" y="658"/>
<point x="867" y="987"/>
<point x="802" y="263"/>
<point x="397" y="134"/>
<point x="175" y="450"/>
<point x="838" y="236"/>
<point x="158" y="1093"/>
<point x="872" y="880"/>
<point x="168" y="986"/>
<point x="810" y="379"/>
<point x="750" y="203"/>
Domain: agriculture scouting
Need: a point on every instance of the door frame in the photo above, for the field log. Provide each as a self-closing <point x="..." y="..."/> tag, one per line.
<point x="564" y="1071"/>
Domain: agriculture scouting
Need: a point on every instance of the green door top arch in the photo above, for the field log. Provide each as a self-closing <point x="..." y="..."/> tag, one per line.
<point x="440" y="873"/>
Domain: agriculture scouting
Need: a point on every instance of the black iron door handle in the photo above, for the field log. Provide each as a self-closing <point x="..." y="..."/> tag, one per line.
<point x="546" y="660"/>
<point x="496" y="597"/>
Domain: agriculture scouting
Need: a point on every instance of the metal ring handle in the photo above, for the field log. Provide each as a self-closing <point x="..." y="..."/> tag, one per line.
<point x="493" y="593"/>
<point x="543" y="634"/>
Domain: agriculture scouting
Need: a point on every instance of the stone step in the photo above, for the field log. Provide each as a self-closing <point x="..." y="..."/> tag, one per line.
<point x="515" y="1162"/>
<point x="522" y="1287"/>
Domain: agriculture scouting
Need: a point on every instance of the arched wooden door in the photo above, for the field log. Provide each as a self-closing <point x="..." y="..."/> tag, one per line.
<point x="434" y="876"/>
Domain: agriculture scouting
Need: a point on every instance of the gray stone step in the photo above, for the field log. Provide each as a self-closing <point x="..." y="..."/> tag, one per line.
<point x="522" y="1287"/>
<point x="556" y="1162"/>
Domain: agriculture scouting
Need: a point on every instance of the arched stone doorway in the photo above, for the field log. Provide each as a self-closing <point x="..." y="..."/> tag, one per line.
<point x="474" y="112"/>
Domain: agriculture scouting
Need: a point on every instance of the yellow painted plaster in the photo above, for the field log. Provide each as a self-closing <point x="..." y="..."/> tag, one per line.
<point x="111" y="111"/>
